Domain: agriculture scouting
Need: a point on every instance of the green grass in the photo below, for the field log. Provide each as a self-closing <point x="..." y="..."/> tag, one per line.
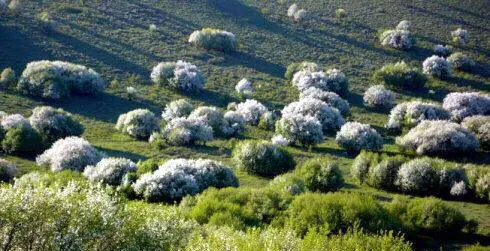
<point x="113" y="38"/>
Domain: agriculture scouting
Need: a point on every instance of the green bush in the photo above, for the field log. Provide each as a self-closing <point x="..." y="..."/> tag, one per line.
<point x="336" y="212"/>
<point x="262" y="158"/>
<point x="479" y="182"/>
<point x="400" y="75"/>
<point x="22" y="141"/>
<point x="7" y="78"/>
<point x="361" y="164"/>
<point x="148" y="166"/>
<point x="383" y="175"/>
<point x="321" y="175"/>
<point x="476" y="247"/>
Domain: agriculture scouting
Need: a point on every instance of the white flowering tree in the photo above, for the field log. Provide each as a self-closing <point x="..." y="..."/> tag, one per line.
<point x="417" y="176"/>
<point x="210" y="115"/>
<point x="13" y="121"/>
<point x="299" y="129"/>
<point x="234" y="123"/>
<point x="397" y="39"/>
<point x="333" y="80"/>
<point x="460" y="36"/>
<point x="244" y="88"/>
<point x="251" y="110"/>
<point x="356" y="136"/>
<point x="437" y="67"/>
<point x="331" y="98"/>
<point x="109" y="170"/>
<point x="378" y="97"/>
<point x="413" y="112"/>
<point x="177" y="109"/>
<point x="329" y="117"/>
<point x="139" y="123"/>
<point x="214" y="39"/>
<point x="185" y="131"/>
<point x="465" y="104"/>
<point x="280" y="140"/>
<point x="54" y="124"/>
<point x="57" y="80"/>
<point x="180" y="75"/>
<point x="404" y="25"/>
<point x="442" y="51"/>
<point x="70" y="153"/>
<point x="461" y="62"/>
<point x="480" y="126"/>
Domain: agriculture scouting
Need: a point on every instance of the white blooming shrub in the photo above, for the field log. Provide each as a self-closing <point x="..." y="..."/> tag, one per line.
<point x="460" y="36"/>
<point x="331" y="98"/>
<point x="292" y="9"/>
<point x="214" y="39"/>
<point x="177" y="178"/>
<point x="179" y="108"/>
<point x="480" y="126"/>
<point x="181" y="75"/>
<point x="279" y="140"/>
<point x="397" y="39"/>
<point x="234" y="123"/>
<point x="437" y="67"/>
<point x="408" y="114"/>
<point x="58" y="80"/>
<point x="442" y="51"/>
<point x="340" y="13"/>
<point x="461" y="62"/>
<point x="262" y="158"/>
<point x="417" y="176"/>
<point x="211" y="116"/>
<point x="7" y="171"/>
<point x="378" y="97"/>
<point x="70" y="153"/>
<point x="251" y="110"/>
<point x="109" y="170"/>
<point x="300" y="129"/>
<point x="244" y="88"/>
<point x="13" y="121"/>
<point x="404" y="25"/>
<point x="466" y="104"/>
<point x="139" y="123"/>
<point x="356" y="136"/>
<point x="329" y="117"/>
<point x="438" y="137"/>
<point x="54" y="124"/>
<point x="296" y="13"/>
<point x="400" y="75"/>
<point x="185" y="131"/>
<point x="459" y="189"/>
<point x="333" y="80"/>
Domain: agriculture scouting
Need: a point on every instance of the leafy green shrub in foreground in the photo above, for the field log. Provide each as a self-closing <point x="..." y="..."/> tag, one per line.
<point x="400" y="75"/>
<point x="23" y="141"/>
<point x="476" y="247"/>
<point x="320" y="175"/>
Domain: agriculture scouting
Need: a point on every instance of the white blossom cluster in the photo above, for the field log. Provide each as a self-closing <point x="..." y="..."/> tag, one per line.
<point x="460" y="61"/>
<point x="331" y="98"/>
<point x="109" y="170"/>
<point x="378" y="96"/>
<point x="70" y="153"/>
<point x="296" y="13"/>
<point x="297" y="128"/>
<point x="279" y="140"/>
<point x="356" y="136"/>
<point x="251" y="110"/>
<point x="413" y="112"/>
<point x="13" y="121"/>
<point x="177" y="178"/>
<point x="438" y="137"/>
<point x="180" y="75"/>
<point x="329" y="117"/>
<point x="437" y="66"/>
<point x="7" y="170"/>
<point x="459" y="189"/>
<point x="234" y="123"/>
<point x="397" y="39"/>
<point x="57" y="80"/>
<point x="139" y="123"/>
<point x="186" y="131"/>
<point x="209" y="115"/>
<point x="333" y="80"/>
<point x="460" y="36"/>
<point x="214" y="39"/>
<point x="465" y="104"/>
<point x="480" y="126"/>
<point x="442" y="51"/>
<point x="244" y="88"/>
<point x="54" y="124"/>
<point x="404" y="25"/>
<point x="177" y="109"/>
<point x="416" y="176"/>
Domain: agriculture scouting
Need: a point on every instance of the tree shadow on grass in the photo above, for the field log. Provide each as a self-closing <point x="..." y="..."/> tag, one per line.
<point x="447" y="241"/>
<point x="122" y="154"/>
<point x="254" y="62"/>
<point x="212" y="98"/>
<point x="473" y="84"/>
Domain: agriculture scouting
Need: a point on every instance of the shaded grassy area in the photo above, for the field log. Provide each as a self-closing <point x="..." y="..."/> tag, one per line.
<point x="113" y="38"/>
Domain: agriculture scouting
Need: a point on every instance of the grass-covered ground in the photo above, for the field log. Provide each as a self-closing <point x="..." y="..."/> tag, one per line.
<point x="113" y="38"/>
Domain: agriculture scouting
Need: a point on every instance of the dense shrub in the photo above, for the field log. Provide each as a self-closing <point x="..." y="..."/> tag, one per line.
<point x="299" y="129"/>
<point x="384" y="174"/>
<point x="214" y="39"/>
<point x="460" y="61"/>
<point x="70" y="153"/>
<point x="180" y="75"/>
<point x="139" y="123"/>
<point x="7" y="78"/>
<point x="400" y="75"/>
<point x="280" y="140"/>
<point x="333" y="80"/>
<point x="331" y="98"/>
<point x="23" y="141"/>
<point x="184" y="131"/>
<point x="442" y="51"/>
<point x="252" y="110"/>
<point x="244" y="88"/>
<point x="397" y="39"/>
<point x="378" y="97"/>
<point x="296" y="13"/>
<point x="109" y="170"/>
<point x="480" y="126"/>
<point x="177" y="109"/>
<point x="290" y="183"/>
<point x="437" y="67"/>
<point x="302" y="66"/>
<point x="54" y="124"/>
<point x="460" y="36"/>
<point x="234" y="123"/>
<point x="408" y="114"/>
<point x="329" y="117"/>
<point x="362" y="163"/>
<point x="465" y="104"/>
<point x="438" y="137"/>
<point x="479" y="182"/>
<point x="404" y="25"/>
<point x="335" y="212"/>
<point x="7" y="171"/>
<point x="321" y="175"/>
<point x="356" y="136"/>
<point x="211" y="116"/>
<point x="268" y="121"/>
<point x="180" y="177"/>
<point x="476" y="247"/>
<point x="262" y="158"/>
<point x="340" y="13"/>
<point x="417" y="177"/>
<point x="13" y="121"/>
<point x="57" y="80"/>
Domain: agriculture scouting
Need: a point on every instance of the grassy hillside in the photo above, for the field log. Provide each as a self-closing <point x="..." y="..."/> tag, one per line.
<point x="113" y="38"/>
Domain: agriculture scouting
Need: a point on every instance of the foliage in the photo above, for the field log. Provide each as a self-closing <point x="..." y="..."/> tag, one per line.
<point x="465" y="104"/>
<point x="7" y="78"/>
<point x="181" y="75"/>
<point x="185" y="131"/>
<point x="268" y="121"/>
<point x="177" y="109"/>
<point x="8" y="171"/>
<point x="22" y="141"/>
<point x="54" y="124"/>
<point x="378" y="97"/>
<point x="437" y="67"/>
<point x="400" y="75"/>
<point x="442" y="51"/>
<point x="460" y="36"/>
<point x="383" y="175"/>
<point x="460" y="61"/>
<point x="299" y="129"/>
<point x="409" y="114"/>
<point x="320" y="175"/>
<point x="110" y="171"/>
<point x="214" y="39"/>
<point x="480" y="126"/>
<point x="417" y="176"/>
<point x="331" y="98"/>
<point x="355" y="136"/>
<point x="139" y="123"/>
